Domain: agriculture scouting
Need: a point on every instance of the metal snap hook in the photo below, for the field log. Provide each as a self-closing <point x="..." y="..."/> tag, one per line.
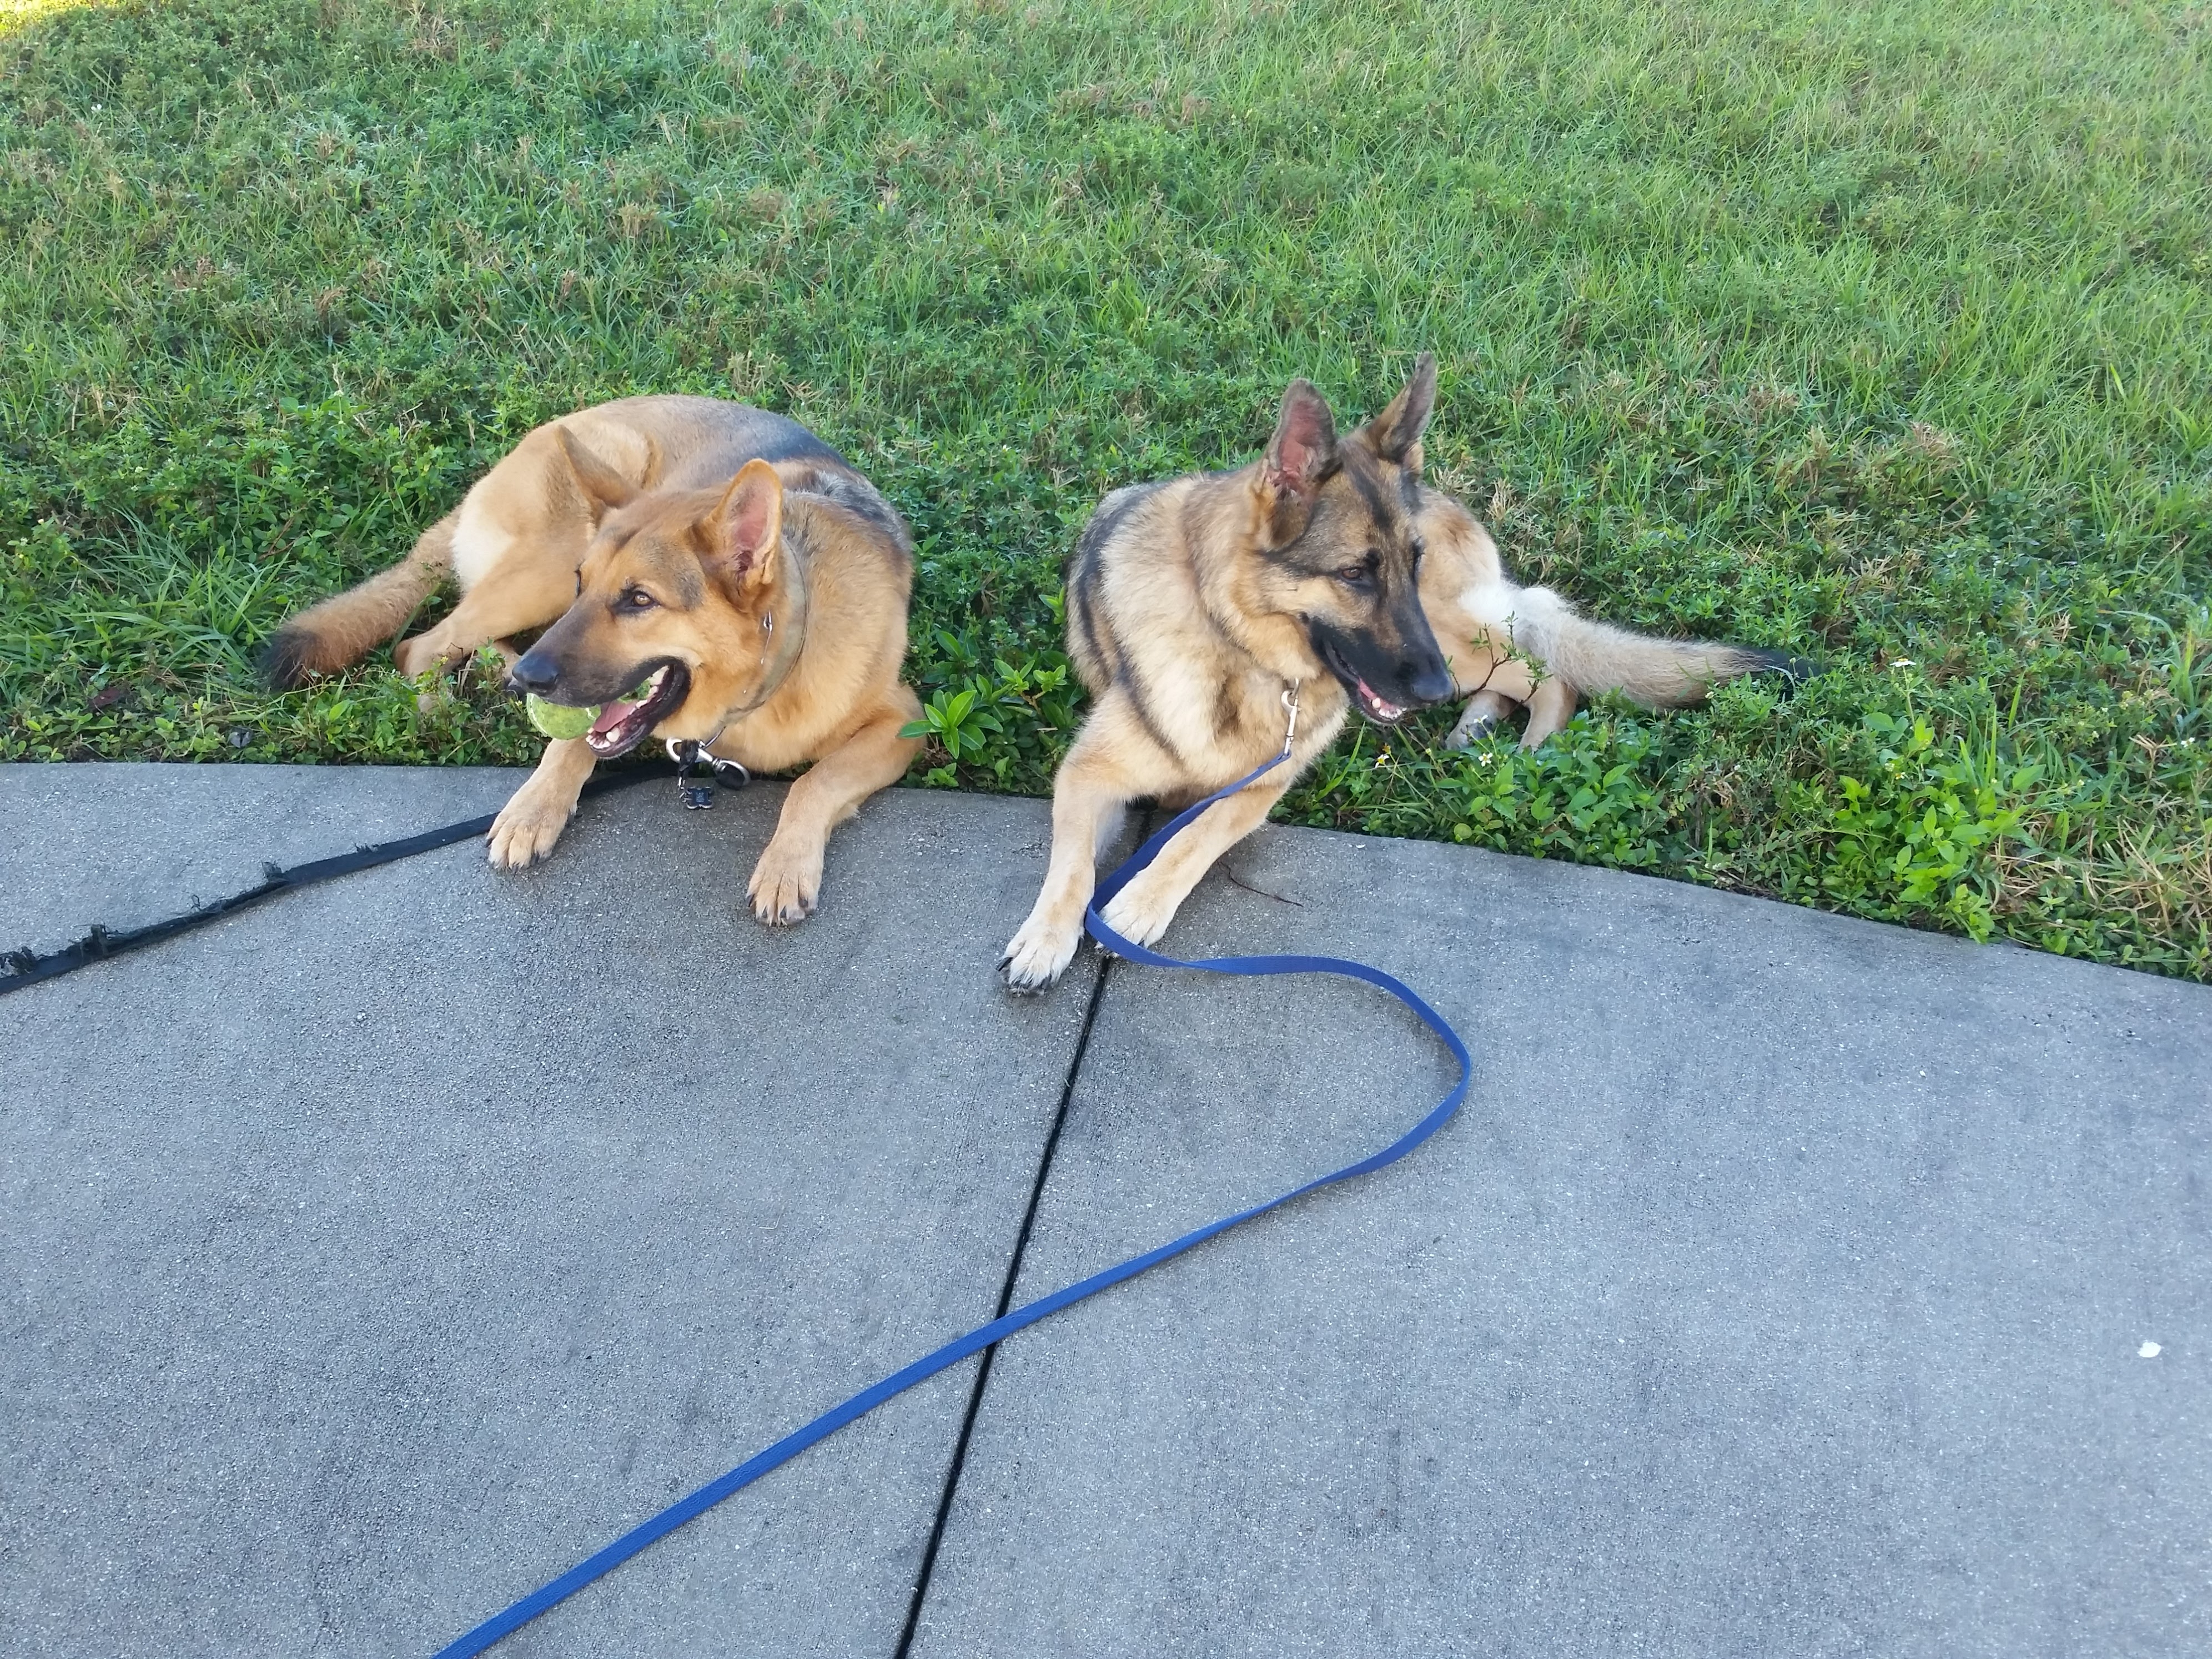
<point x="688" y="755"/>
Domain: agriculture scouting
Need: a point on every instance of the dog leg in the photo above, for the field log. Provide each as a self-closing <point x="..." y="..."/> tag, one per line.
<point x="1109" y="826"/>
<point x="529" y="824"/>
<point x="1088" y="800"/>
<point x="1551" y="706"/>
<point x="788" y="880"/>
<point x="1141" y="911"/>
<point x="491" y="610"/>
<point x="1484" y="710"/>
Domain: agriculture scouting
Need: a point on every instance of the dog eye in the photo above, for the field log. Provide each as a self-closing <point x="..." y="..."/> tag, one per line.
<point x="636" y="598"/>
<point x="1359" y="573"/>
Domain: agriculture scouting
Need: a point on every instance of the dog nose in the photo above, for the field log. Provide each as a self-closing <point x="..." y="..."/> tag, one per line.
<point x="532" y="671"/>
<point x="1430" y="681"/>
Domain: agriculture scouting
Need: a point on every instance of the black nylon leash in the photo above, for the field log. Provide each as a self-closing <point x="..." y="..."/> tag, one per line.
<point x="33" y="968"/>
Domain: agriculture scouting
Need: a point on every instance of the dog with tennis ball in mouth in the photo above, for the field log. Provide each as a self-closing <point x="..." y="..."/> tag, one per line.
<point x="703" y="571"/>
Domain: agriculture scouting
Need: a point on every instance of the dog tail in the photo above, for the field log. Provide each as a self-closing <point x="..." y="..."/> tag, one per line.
<point x="1657" y="673"/>
<point x="340" y="631"/>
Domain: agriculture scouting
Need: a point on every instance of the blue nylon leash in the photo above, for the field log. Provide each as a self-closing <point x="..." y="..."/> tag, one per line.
<point x="951" y="1353"/>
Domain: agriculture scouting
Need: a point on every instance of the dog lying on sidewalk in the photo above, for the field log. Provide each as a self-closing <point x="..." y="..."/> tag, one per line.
<point x="708" y="572"/>
<point x="1324" y="575"/>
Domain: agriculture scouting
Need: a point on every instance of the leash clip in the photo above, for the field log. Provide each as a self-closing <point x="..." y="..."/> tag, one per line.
<point x="689" y="754"/>
<point x="1290" y="702"/>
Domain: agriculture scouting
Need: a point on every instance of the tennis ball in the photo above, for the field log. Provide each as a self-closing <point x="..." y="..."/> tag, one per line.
<point x="558" y="722"/>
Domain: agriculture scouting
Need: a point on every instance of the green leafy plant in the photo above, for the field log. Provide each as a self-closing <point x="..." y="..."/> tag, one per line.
<point x="1006" y="722"/>
<point x="1917" y="833"/>
<point x="960" y="723"/>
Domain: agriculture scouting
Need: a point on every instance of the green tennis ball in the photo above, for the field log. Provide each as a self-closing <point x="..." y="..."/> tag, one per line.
<point x="559" y="722"/>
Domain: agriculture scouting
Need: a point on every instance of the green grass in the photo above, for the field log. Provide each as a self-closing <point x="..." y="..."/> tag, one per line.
<point x="1883" y="333"/>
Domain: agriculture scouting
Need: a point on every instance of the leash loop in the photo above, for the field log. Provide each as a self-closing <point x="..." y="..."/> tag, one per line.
<point x="983" y="1336"/>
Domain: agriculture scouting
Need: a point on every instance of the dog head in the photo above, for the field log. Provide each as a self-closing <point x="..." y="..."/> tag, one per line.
<point x="686" y="600"/>
<point x="1339" y="546"/>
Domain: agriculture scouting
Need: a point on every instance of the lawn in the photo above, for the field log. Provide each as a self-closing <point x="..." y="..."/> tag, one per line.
<point x="1881" y="333"/>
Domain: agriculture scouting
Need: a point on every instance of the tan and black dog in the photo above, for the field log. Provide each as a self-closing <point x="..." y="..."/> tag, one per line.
<point x="718" y="565"/>
<point x="1195" y="608"/>
<point x="1324" y="569"/>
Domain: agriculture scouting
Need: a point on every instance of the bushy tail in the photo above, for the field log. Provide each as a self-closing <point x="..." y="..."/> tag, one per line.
<point x="339" y="632"/>
<point x="1657" y="673"/>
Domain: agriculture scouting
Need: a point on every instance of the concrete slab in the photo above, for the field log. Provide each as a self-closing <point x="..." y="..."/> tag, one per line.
<point x="1780" y="1291"/>
<point x="122" y="844"/>
<point x="370" y="1257"/>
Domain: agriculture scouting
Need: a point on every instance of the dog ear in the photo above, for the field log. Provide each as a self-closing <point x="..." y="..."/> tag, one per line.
<point x="1396" y="434"/>
<point x="604" y="488"/>
<point x="746" y="526"/>
<point x="1303" y="452"/>
<point x="1299" y="456"/>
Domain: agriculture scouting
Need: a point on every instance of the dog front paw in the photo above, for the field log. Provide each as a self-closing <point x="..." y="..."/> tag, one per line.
<point x="786" y="883"/>
<point x="1038" y="954"/>
<point x="1472" y="729"/>
<point x="525" y="829"/>
<point x="1484" y="710"/>
<point x="416" y="656"/>
<point x="1140" y="913"/>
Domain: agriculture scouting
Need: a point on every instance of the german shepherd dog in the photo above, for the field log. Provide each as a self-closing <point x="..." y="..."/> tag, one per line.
<point x="721" y="566"/>
<point x="1323" y="572"/>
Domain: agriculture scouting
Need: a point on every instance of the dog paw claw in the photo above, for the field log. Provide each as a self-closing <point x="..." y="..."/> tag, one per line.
<point x="1037" y="956"/>
<point x="785" y="886"/>
<point x="522" y="835"/>
<point x="1468" y="733"/>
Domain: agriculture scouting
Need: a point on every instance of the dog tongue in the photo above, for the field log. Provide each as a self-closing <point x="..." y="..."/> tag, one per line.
<point x="617" y="712"/>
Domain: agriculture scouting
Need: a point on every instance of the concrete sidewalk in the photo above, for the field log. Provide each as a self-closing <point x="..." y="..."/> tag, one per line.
<point x="372" y="1257"/>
